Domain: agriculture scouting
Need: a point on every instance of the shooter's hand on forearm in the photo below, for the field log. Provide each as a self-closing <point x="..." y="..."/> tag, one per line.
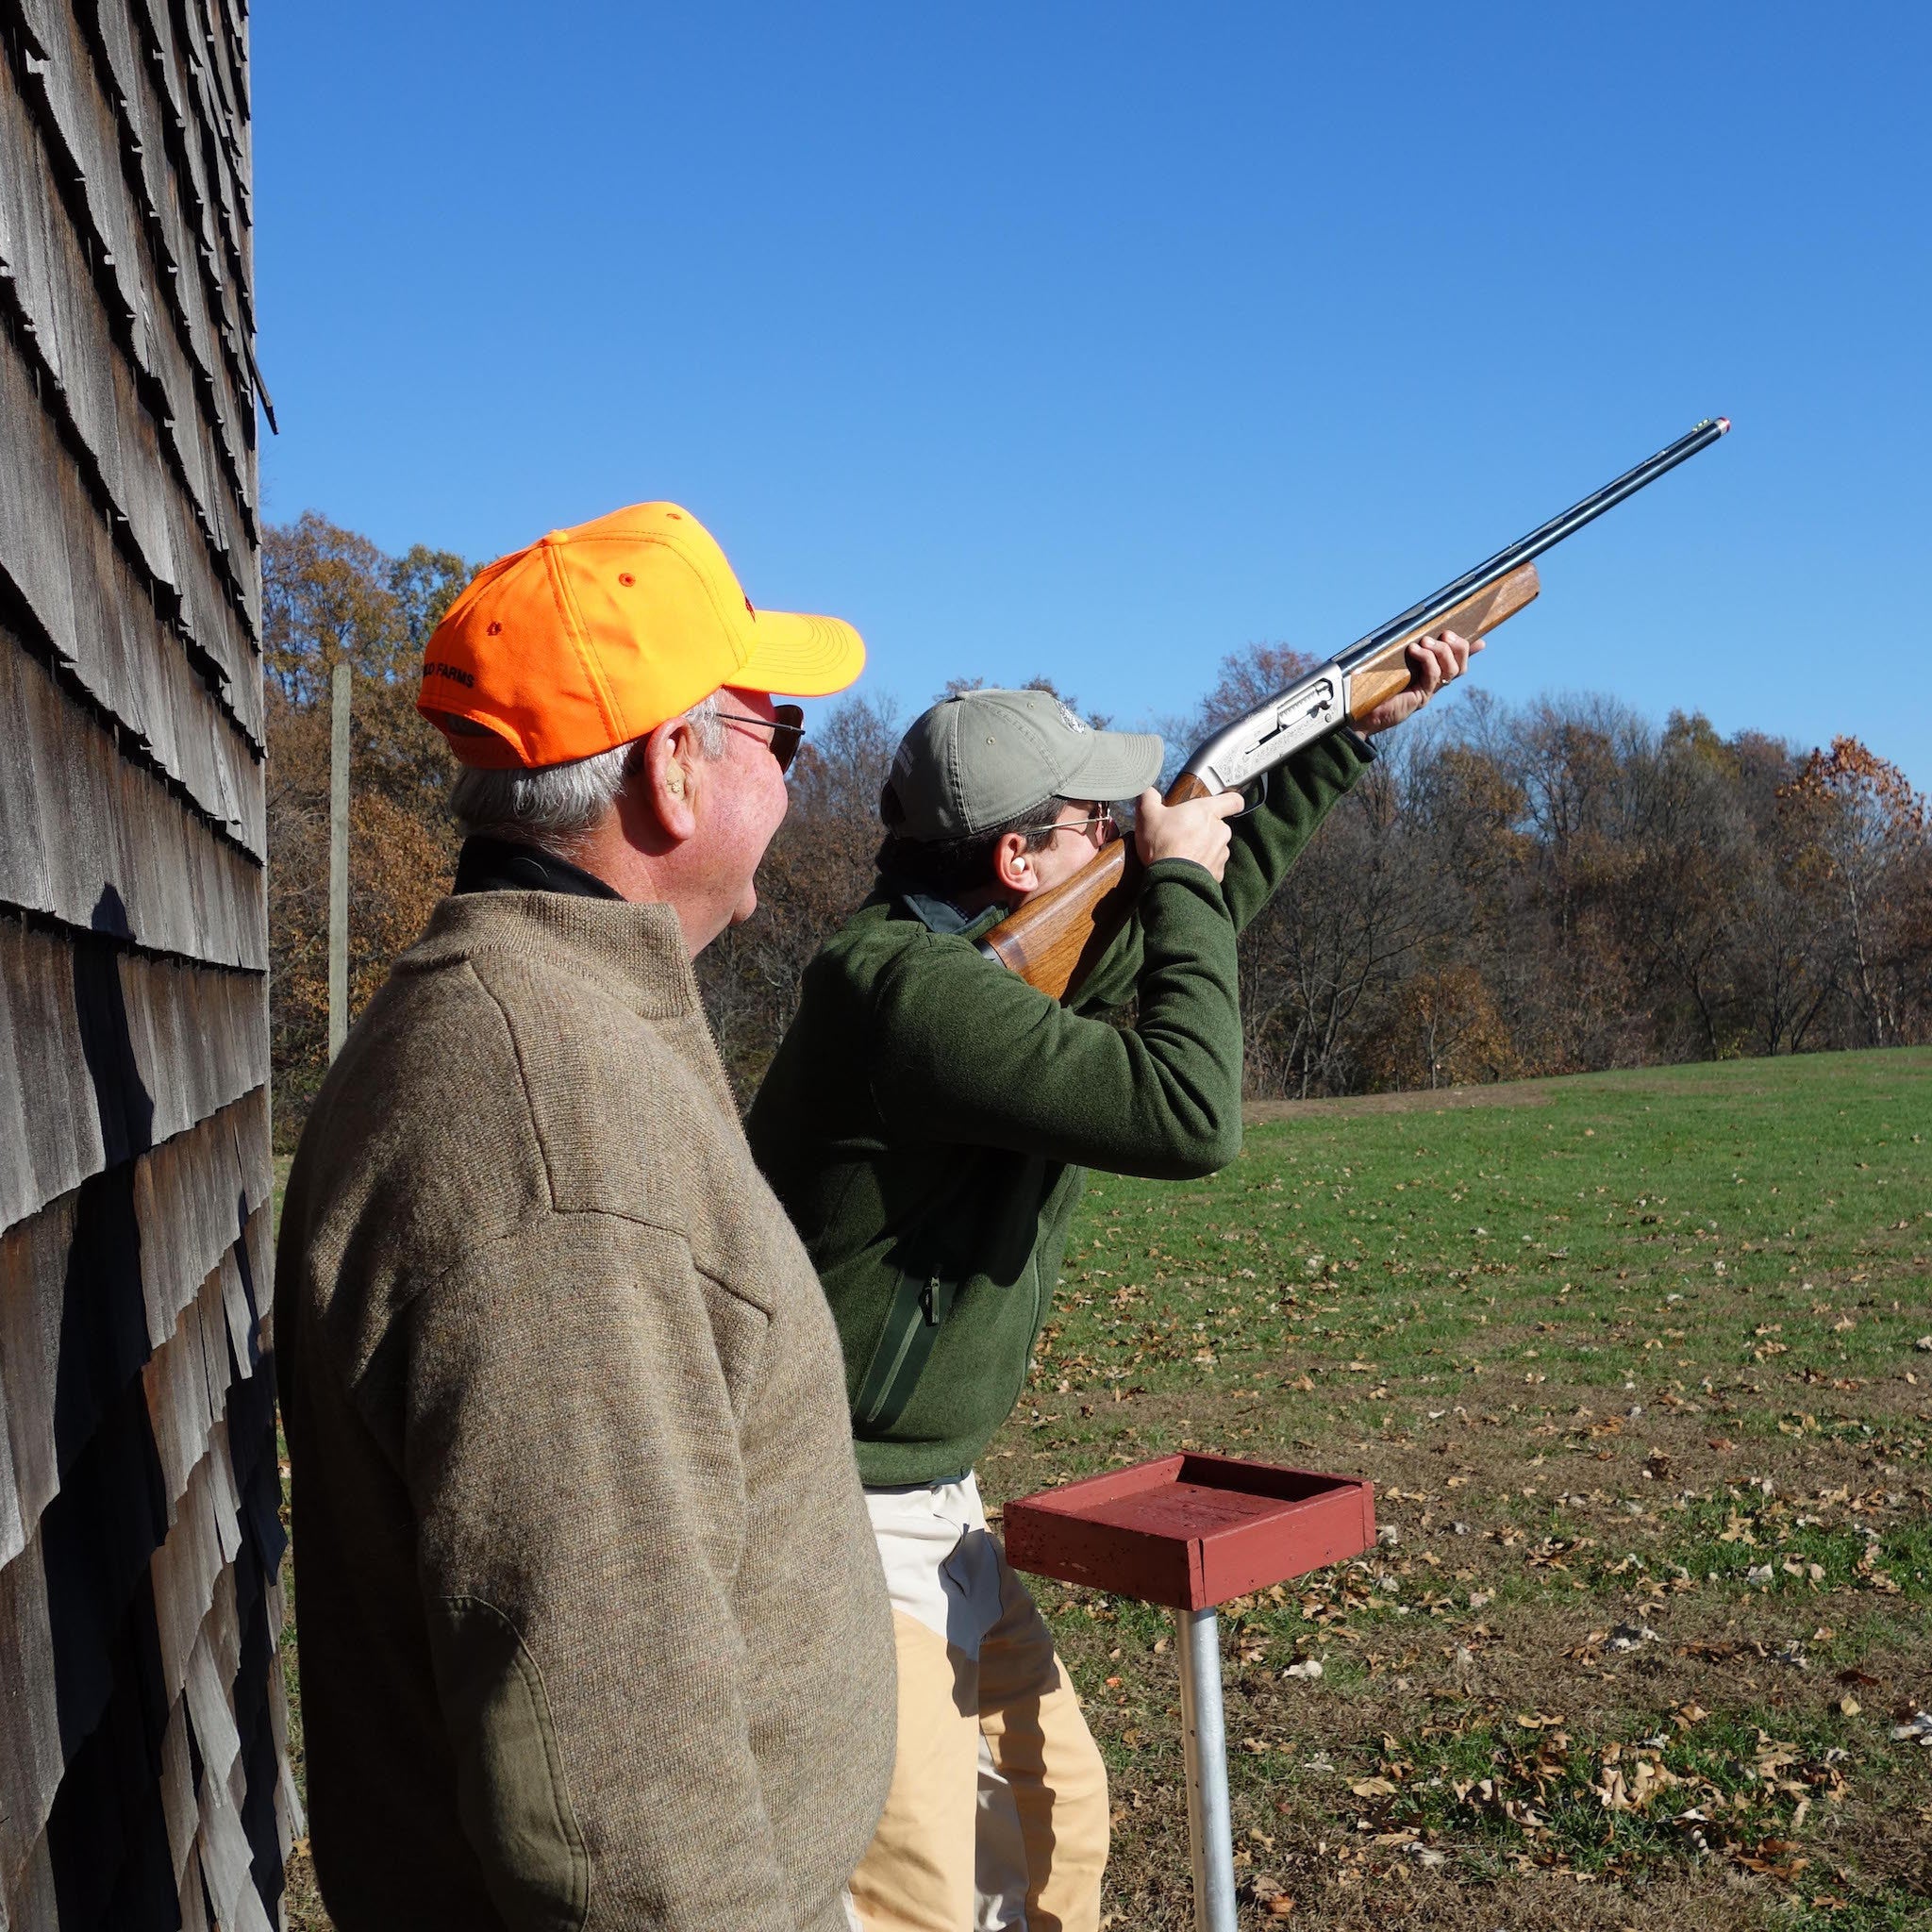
<point x="1432" y="663"/>
<point x="1196" y="830"/>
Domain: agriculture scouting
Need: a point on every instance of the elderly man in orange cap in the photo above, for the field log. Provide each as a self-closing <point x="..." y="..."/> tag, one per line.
<point x="584" y="1573"/>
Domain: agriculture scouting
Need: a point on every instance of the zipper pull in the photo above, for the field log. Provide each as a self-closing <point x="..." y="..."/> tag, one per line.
<point x="928" y="1302"/>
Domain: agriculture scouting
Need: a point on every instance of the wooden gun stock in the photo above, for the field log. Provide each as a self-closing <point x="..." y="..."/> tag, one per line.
<point x="1056" y="938"/>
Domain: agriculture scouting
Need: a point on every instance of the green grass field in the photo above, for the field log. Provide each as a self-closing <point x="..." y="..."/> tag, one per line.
<point x="1634" y="1362"/>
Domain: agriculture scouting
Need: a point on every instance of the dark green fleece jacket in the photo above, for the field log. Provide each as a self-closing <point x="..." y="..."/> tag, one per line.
<point x="929" y="1117"/>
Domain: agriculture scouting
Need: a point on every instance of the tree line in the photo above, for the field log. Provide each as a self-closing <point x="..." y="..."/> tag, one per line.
<point x="1550" y="888"/>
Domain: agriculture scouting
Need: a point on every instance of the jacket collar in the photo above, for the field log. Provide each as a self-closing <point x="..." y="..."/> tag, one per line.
<point x="938" y="915"/>
<point x="509" y="865"/>
<point x="634" y="949"/>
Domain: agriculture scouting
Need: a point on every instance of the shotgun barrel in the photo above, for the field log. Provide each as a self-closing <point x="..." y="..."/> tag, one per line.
<point x="1426" y="615"/>
<point x="1353" y="682"/>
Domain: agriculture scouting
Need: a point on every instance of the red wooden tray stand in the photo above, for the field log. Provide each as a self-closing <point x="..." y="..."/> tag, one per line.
<point x="1191" y="1531"/>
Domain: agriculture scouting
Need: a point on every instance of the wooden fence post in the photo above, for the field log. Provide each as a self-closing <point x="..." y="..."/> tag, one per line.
<point x="339" y="860"/>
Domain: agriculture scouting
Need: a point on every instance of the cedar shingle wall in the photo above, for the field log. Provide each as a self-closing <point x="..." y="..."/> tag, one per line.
<point x="143" y="1755"/>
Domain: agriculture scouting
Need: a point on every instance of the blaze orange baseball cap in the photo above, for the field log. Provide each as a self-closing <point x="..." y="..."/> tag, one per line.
<point x="597" y="634"/>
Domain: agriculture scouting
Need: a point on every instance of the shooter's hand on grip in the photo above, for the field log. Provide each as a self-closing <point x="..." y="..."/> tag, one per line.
<point x="1195" y="829"/>
<point x="1432" y="662"/>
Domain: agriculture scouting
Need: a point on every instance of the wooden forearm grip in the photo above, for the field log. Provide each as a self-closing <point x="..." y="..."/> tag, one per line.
<point x="1388" y="673"/>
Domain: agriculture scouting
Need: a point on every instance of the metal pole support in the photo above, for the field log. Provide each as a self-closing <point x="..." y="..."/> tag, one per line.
<point x="339" y="860"/>
<point x="1210" y="1827"/>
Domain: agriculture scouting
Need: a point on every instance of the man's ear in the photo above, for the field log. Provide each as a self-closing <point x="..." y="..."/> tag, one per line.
<point x="670" y="759"/>
<point x="1012" y="865"/>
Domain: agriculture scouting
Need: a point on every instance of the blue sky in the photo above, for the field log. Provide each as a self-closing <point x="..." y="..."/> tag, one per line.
<point x="1102" y="340"/>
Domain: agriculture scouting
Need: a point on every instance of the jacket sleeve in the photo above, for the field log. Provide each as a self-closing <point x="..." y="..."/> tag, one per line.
<point x="963" y="1051"/>
<point x="572" y="1453"/>
<point x="1266" y="845"/>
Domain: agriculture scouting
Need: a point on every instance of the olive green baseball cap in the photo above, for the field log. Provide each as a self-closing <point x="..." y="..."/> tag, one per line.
<point x="981" y="758"/>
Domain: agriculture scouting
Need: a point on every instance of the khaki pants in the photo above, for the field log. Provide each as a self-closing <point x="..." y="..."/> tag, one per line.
<point x="998" y="1815"/>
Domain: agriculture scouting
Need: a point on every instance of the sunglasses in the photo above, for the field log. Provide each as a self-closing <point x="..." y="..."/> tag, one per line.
<point x="787" y="729"/>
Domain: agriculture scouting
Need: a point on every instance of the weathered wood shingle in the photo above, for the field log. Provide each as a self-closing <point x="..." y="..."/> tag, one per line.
<point x="85" y="216"/>
<point x="98" y="841"/>
<point x="144" y="1730"/>
<point x="76" y="596"/>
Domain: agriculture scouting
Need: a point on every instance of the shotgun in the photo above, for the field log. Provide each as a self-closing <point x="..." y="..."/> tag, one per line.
<point x="1054" y="938"/>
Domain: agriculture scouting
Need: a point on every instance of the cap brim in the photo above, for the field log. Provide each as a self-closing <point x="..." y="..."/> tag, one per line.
<point x="1116" y="764"/>
<point x="801" y="656"/>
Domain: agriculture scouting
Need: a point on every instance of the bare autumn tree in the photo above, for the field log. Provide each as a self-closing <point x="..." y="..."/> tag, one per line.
<point x="1355" y="914"/>
<point x="330" y="596"/>
<point x="1366" y="909"/>
<point x="1441" y="1023"/>
<point x="1866" y="836"/>
<point x="1441" y="1028"/>
<point x="1690" y="848"/>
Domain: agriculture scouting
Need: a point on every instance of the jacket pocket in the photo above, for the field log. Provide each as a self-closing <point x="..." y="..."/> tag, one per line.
<point x="921" y="1304"/>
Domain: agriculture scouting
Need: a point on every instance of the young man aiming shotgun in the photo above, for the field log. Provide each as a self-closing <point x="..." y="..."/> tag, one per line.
<point x="927" y="1122"/>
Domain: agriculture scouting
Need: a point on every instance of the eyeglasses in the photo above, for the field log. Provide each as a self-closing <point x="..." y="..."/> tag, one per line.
<point x="1109" y="825"/>
<point x="787" y="728"/>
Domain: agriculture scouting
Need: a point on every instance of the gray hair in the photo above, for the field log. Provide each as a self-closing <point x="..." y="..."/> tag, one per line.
<point x="553" y="805"/>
